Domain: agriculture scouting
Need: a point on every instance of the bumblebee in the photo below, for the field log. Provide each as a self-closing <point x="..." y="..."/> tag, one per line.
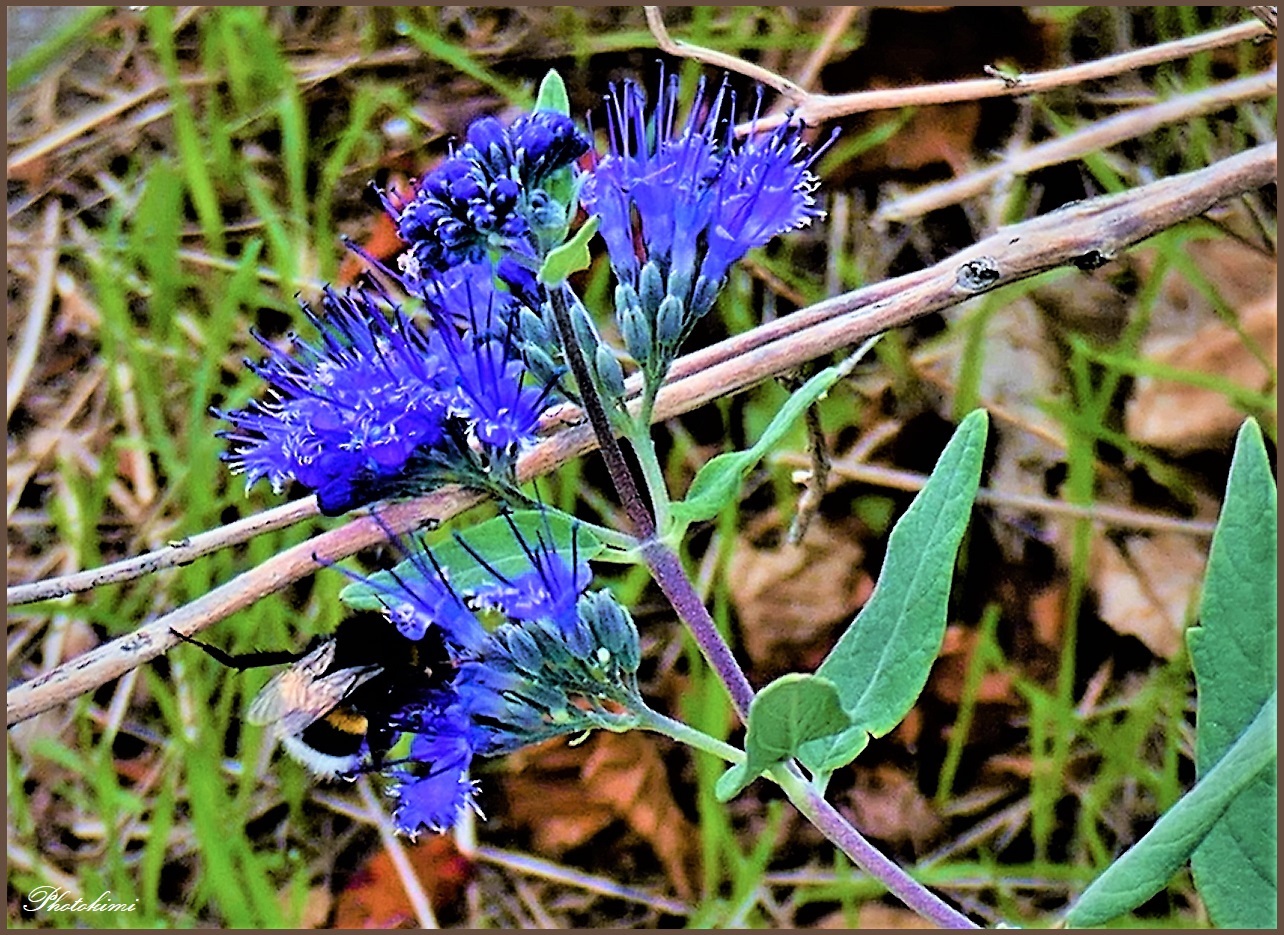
<point x="334" y="709"/>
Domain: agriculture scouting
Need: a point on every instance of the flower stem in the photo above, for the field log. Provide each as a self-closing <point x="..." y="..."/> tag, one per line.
<point x="644" y="447"/>
<point x="673" y="581"/>
<point x="809" y="801"/>
<point x="827" y="819"/>
<point x="621" y="476"/>
<point x="685" y="733"/>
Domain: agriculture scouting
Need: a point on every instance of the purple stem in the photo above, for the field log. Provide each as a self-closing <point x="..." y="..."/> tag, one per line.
<point x="663" y="562"/>
<point x="870" y="859"/>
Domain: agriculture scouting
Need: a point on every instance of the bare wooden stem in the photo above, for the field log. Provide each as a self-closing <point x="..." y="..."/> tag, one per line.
<point x="818" y="108"/>
<point x="1083" y="233"/>
<point x="1093" y="138"/>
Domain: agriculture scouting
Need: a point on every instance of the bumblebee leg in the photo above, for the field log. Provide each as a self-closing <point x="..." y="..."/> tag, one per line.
<point x="252" y="660"/>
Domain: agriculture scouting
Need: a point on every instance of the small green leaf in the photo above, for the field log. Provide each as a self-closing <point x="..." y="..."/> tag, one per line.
<point x="1150" y="863"/>
<point x="718" y="482"/>
<point x="570" y="257"/>
<point x="792" y="710"/>
<point x="552" y="94"/>
<point x="495" y="542"/>
<point x="1233" y="653"/>
<point x="881" y="663"/>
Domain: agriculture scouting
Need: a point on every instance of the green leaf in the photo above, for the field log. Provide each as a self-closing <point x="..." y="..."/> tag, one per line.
<point x="1150" y="863"/>
<point x="792" y="710"/>
<point x="718" y="482"/>
<point x="495" y="542"/>
<point x="570" y="257"/>
<point x="552" y="94"/>
<point x="1233" y="653"/>
<point x="881" y="663"/>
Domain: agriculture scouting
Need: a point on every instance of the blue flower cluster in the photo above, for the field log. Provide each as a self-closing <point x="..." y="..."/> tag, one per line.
<point x="384" y="407"/>
<point x="391" y="401"/>
<point x="692" y="199"/>
<point x="488" y="200"/>
<point x="381" y="407"/>
<point x="558" y="664"/>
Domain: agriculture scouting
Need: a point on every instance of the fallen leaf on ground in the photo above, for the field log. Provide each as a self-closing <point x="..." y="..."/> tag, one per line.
<point x="626" y="772"/>
<point x="376" y="898"/>
<point x="789" y="596"/>
<point x="886" y="804"/>
<point x="1186" y="333"/>
<point x="1150" y="592"/>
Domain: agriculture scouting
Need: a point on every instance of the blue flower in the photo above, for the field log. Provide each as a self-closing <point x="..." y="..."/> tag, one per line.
<point x="563" y="661"/>
<point x="700" y="198"/>
<point x="492" y="393"/>
<point x="548" y="591"/>
<point x="434" y="793"/>
<point x="344" y="417"/>
<point x="487" y="198"/>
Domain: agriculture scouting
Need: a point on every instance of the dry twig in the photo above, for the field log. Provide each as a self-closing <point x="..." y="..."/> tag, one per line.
<point x="818" y="108"/>
<point x="33" y="329"/>
<point x="1080" y="234"/>
<point x="1093" y="138"/>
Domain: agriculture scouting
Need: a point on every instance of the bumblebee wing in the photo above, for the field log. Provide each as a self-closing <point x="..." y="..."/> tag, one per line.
<point x="301" y="694"/>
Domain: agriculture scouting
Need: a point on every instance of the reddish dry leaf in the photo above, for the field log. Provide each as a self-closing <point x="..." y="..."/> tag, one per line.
<point x="375" y="897"/>
<point x="949" y="672"/>
<point x="1150" y="592"/>
<point x="626" y="772"/>
<point x="788" y="597"/>
<point x="886" y="804"/>
<point x="567" y="795"/>
<point x="1047" y="614"/>
<point x="543" y="792"/>
<point x="877" y="916"/>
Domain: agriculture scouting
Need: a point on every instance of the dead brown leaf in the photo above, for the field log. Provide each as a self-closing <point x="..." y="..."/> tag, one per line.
<point x="787" y="597"/>
<point x="626" y="772"/>
<point x="1186" y="333"/>
<point x="877" y="915"/>
<point x="566" y="795"/>
<point x="1149" y="591"/>
<point x="886" y="804"/>
<point x="375" y="897"/>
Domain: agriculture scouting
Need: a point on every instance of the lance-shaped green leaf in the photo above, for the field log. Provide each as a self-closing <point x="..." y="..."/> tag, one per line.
<point x="495" y="542"/>
<point x="718" y="482"/>
<point x="1150" y="863"/>
<point x="1233" y="652"/>
<point x="881" y="663"/>
<point x="791" y="711"/>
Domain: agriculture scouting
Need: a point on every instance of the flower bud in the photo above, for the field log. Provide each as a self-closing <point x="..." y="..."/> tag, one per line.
<point x="669" y="322"/>
<point x="533" y="330"/>
<point x="634" y="329"/>
<point x="585" y="331"/>
<point x="651" y="287"/>
<point x="610" y="376"/>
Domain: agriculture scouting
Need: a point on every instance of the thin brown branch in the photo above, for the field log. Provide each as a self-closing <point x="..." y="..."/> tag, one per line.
<point x="818" y="108"/>
<point x="655" y="21"/>
<point x="182" y="552"/>
<point x="1093" y="138"/>
<point x="1079" y="234"/>
<point x="910" y="481"/>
